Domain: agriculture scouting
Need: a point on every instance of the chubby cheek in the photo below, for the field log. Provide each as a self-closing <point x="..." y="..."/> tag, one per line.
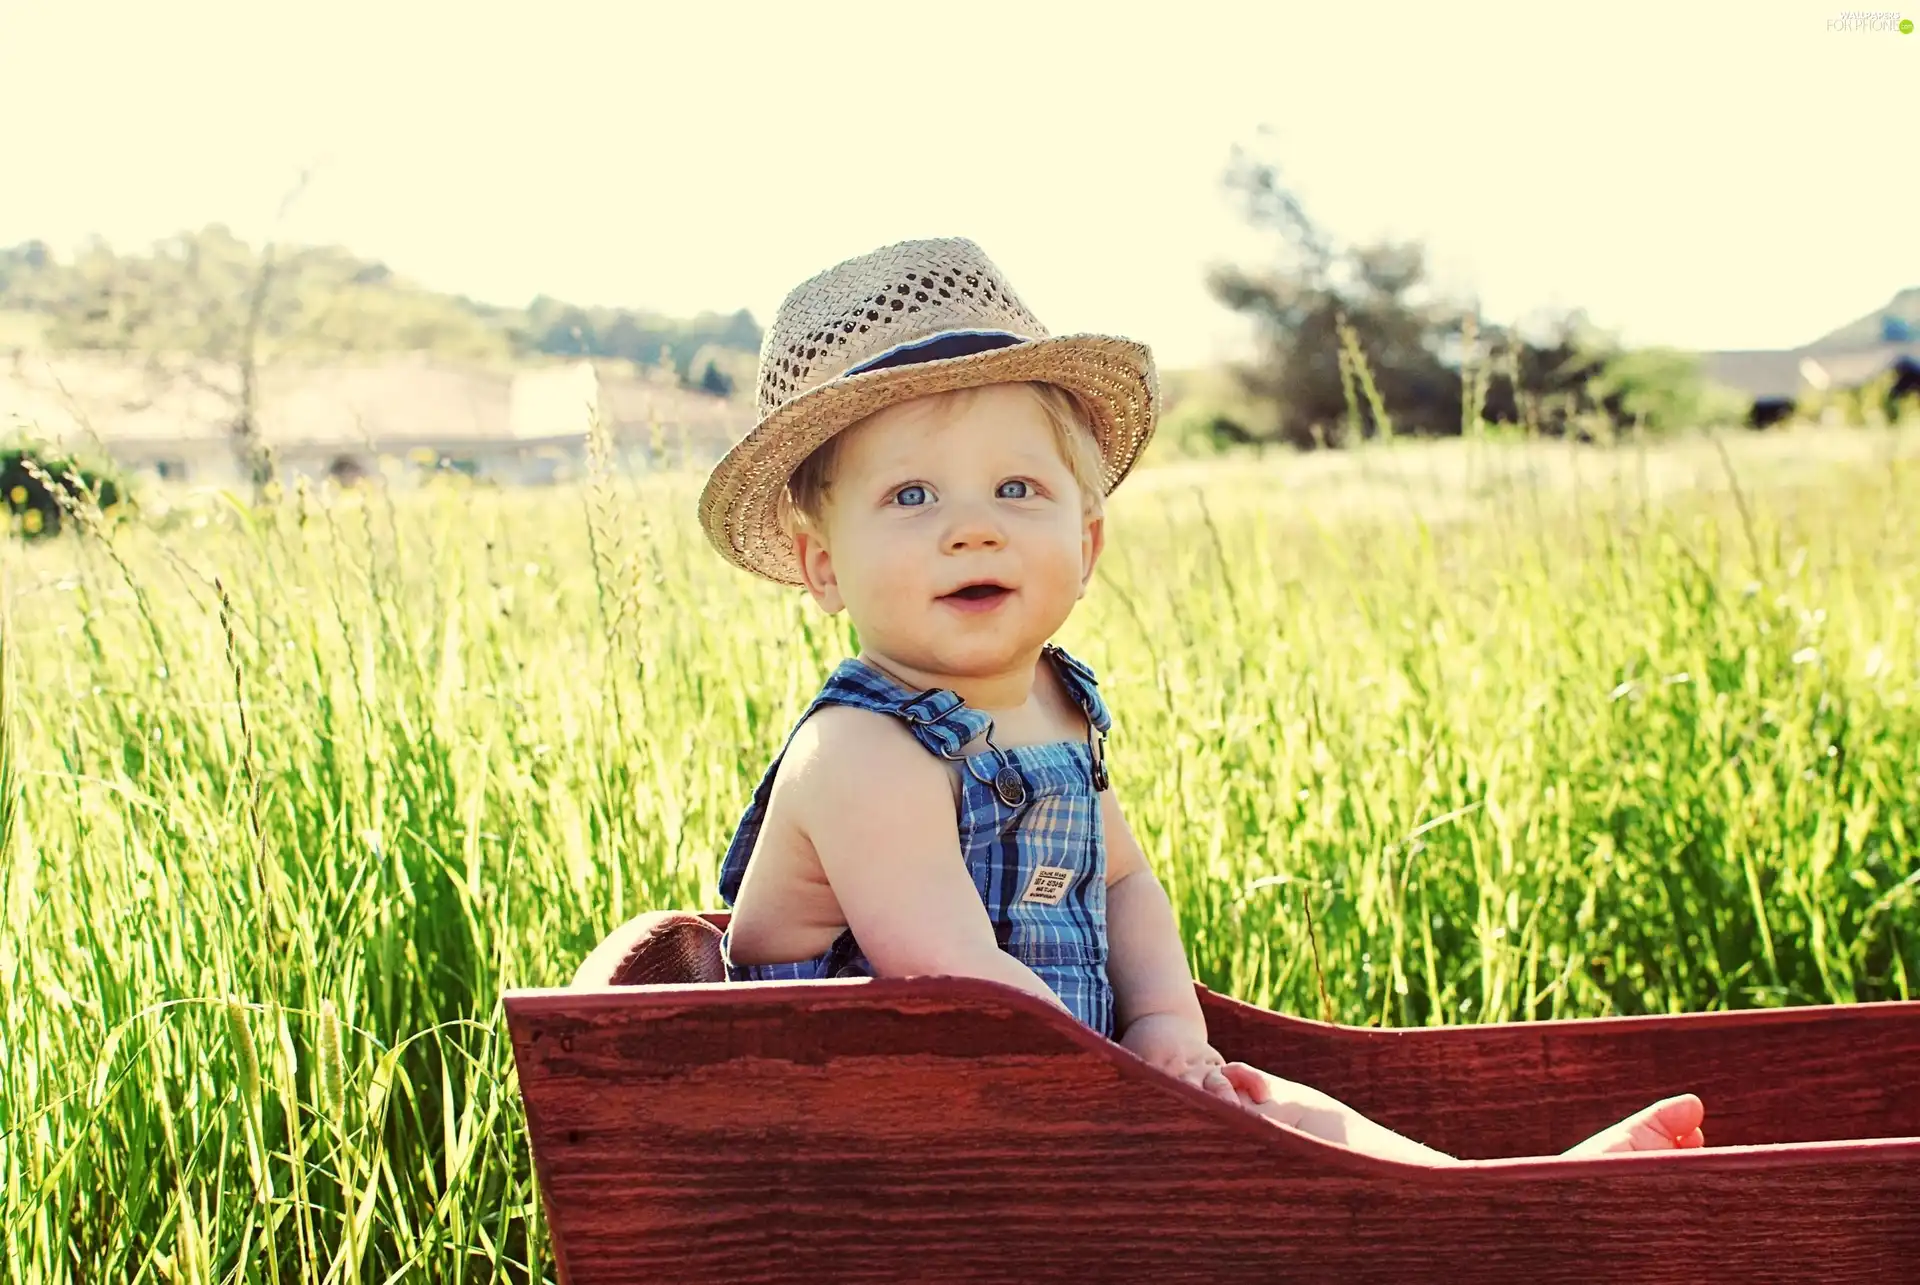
<point x="1059" y="560"/>
<point x="1061" y="579"/>
<point x="890" y="580"/>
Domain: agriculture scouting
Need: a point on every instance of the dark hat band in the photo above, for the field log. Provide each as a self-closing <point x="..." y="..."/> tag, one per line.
<point x="940" y="347"/>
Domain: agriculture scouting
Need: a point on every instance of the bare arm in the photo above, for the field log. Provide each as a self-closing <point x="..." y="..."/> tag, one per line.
<point x="1157" y="1013"/>
<point x="878" y="811"/>
<point x="1160" y="1016"/>
<point x="1148" y="963"/>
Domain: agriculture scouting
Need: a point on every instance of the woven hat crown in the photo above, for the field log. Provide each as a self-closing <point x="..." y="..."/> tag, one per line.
<point x="859" y="309"/>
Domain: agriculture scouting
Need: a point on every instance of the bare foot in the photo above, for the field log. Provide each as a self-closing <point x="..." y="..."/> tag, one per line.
<point x="1668" y="1125"/>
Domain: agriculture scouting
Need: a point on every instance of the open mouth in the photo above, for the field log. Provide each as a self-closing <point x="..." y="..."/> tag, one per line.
<point x="976" y="597"/>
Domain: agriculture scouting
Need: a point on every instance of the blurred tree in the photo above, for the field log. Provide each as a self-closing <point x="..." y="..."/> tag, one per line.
<point x="206" y="310"/>
<point x="22" y="264"/>
<point x="1301" y="303"/>
<point x="1663" y="390"/>
<point x="643" y="338"/>
<point x="192" y="293"/>
<point x="719" y="370"/>
<point x="1347" y="334"/>
<point x="198" y="309"/>
<point x="740" y="331"/>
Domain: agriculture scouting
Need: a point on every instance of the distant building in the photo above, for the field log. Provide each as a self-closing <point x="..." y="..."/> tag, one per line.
<point x="1855" y="354"/>
<point x="403" y="417"/>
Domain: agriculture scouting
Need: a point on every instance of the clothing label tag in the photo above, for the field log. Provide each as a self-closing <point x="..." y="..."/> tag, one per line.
<point x="1049" y="885"/>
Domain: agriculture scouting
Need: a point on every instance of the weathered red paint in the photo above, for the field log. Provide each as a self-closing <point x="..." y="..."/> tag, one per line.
<point x="951" y="1129"/>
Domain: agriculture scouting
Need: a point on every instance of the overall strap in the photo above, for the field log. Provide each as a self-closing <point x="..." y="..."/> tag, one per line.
<point x="1080" y="683"/>
<point x="945" y="725"/>
<point x="942" y="723"/>
<point x="938" y="719"/>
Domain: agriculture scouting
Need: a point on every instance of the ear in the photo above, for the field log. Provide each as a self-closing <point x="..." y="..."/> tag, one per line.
<point x="816" y="571"/>
<point x="1093" y="538"/>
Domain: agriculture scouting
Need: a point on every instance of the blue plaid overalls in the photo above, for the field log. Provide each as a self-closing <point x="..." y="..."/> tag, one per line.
<point x="1029" y="821"/>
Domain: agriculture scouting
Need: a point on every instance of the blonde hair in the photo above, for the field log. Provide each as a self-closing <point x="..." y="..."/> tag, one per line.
<point x="803" y="504"/>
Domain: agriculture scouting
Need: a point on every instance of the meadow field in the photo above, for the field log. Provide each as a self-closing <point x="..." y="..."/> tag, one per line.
<point x="1443" y="733"/>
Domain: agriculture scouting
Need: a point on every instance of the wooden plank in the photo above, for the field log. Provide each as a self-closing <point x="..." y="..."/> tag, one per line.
<point x="1535" y="1088"/>
<point x="1767" y="1076"/>
<point x="953" y="1129"/>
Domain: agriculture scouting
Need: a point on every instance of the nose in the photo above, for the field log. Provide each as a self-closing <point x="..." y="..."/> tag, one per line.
<point x="973" y="526"/>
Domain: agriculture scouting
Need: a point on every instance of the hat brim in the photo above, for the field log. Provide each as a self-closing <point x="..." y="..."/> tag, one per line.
<point x="739" y="508"/>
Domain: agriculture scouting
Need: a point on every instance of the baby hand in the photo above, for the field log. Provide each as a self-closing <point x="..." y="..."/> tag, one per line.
<point x="1172" y="1045"/>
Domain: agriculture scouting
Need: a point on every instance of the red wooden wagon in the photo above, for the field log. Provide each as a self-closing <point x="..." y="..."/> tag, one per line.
<point x="950" y="1129"/>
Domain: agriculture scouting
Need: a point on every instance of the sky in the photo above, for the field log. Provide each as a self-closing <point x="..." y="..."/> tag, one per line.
<point x="1701" y="174"/>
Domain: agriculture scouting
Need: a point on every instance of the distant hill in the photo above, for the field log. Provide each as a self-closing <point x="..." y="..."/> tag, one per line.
<point x="1898" y="322"/>
<point x="191" y="294"/>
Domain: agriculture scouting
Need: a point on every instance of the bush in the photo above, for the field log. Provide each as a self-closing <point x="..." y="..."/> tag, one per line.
<point x="34" y="508"/>
<point x="1891" y="397"/>
<point x="1663" y="390"/>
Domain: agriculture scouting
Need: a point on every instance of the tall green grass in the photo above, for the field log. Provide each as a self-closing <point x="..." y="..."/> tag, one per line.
<point x="1441" y="734"/>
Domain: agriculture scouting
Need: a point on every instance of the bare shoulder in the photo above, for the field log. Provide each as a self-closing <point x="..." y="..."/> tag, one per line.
<point x="845" y="758"/>
<point x="877" y="812"/>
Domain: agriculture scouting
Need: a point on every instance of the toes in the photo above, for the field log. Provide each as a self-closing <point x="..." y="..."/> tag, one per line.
<point x="1676" y="1117"/>
<point x="1670" y="1123"/>
<point x="1220" y="1086"/>
<point x="1251" y="1084"/>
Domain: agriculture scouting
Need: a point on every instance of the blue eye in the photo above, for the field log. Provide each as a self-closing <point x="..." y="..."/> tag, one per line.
<point x="1021" y="494"/>
<point x="910" y="497"/>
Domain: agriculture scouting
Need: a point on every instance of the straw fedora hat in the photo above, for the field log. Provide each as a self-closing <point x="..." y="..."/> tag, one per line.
<point x="905" y="321"/>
